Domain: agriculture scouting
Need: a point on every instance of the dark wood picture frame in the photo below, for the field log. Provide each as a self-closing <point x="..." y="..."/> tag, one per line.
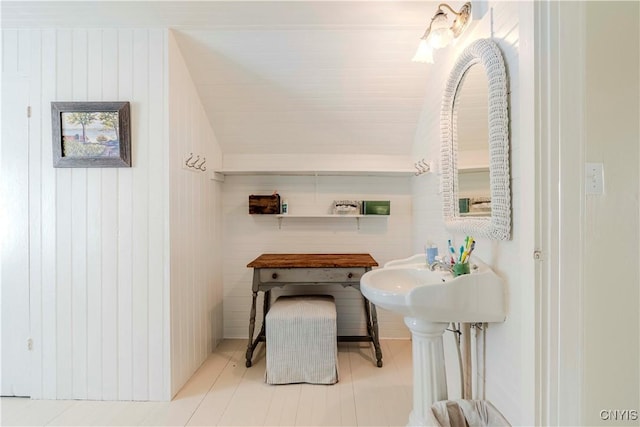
<point x="78" y="150"/>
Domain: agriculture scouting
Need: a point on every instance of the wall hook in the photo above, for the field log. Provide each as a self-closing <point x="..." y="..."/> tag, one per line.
<point x="193" y="164"/>
<point x="426" y="167"/>
<point x="422" y="167"/>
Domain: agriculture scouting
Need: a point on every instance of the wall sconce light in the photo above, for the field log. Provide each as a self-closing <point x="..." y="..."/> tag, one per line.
<point x="440" y="33"/>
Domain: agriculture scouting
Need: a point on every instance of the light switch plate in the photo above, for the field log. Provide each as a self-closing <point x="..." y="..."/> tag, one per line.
<point x="594" y="178"/>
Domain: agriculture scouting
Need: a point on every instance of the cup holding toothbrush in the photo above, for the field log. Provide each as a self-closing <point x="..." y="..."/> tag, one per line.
<point x="460" y="268"/>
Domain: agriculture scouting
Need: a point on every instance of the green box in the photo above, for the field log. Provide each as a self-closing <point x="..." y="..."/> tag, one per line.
<point x="376" y="207"/>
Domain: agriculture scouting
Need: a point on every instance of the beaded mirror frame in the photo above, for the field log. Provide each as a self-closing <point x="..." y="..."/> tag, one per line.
<point x="498" y="226"/>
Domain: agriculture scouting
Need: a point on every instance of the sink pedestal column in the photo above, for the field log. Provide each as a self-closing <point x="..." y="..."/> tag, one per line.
<point x="429" y="377"/>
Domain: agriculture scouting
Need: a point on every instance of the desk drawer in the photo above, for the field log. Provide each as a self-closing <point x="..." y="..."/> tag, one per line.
<point x="311" y="275"/>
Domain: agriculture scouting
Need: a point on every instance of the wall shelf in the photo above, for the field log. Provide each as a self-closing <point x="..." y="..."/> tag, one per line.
<point x="328" y="216"/>
<point x="387" y="173"/>
<point x="359" y="164"/>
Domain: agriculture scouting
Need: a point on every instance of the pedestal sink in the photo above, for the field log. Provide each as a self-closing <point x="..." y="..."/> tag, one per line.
<point x="429" y="301"/>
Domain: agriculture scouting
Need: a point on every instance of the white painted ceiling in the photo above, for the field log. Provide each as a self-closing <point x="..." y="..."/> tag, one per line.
<point x="309" y="77"/>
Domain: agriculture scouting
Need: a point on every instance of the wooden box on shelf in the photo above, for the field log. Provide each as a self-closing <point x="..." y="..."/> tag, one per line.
<point x="264" y="204"/>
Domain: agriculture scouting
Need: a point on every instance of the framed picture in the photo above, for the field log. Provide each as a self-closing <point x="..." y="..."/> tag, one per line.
<point x="91" y="134"/>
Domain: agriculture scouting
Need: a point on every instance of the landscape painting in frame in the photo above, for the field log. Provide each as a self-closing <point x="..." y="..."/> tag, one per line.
<point x="91" y="134"/>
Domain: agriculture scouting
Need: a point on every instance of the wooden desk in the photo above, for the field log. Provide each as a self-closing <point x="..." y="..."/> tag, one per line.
<point x="278" y="270"/>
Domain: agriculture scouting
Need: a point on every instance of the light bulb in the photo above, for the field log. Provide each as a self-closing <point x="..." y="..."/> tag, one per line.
<point x="424" y="52"/>
<point x="440" y="38"/>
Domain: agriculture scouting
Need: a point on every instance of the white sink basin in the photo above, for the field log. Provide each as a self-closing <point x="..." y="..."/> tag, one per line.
<point x="412" y="290"/>
<point x="390" y="288"/>
<point x="429" y="300"/>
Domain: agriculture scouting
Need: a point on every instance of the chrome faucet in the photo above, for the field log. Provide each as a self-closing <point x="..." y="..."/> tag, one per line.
<point x="440" y="265"/>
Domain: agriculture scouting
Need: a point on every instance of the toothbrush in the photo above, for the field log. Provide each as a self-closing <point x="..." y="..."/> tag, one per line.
<point x="453" y="252"/>
<point x="461" y="253"/>
<point x="467" y="254"/>
<point x="473" y="246"/>
<point x="467" y="250"/>
<point x="468" y="242"/>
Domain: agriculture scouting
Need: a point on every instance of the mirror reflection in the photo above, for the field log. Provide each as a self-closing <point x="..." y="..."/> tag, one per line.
<point x="472" y="125"/>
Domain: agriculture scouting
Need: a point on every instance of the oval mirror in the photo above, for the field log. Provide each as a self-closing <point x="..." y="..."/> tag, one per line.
<point x="475" y="144"/>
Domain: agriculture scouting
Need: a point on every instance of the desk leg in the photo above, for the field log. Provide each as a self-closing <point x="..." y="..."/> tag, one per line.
<point x="266" y="305"/>
<point x="372" y="328"/>
<point x="376" y="341"/>
<point x="252" y="325"/>
<point x="262" y="335"/>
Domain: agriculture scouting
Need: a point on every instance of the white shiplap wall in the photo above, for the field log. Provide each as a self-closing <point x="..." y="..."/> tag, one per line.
<point x="14" y="219"/>
<point x="510" y="345"/>
<point x="247" y="236"/>
<point x="92" y="246"/>
<point x="196" y="217"/>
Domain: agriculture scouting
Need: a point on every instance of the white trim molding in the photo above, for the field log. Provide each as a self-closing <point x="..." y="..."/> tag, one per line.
<point x="560" y="94"/>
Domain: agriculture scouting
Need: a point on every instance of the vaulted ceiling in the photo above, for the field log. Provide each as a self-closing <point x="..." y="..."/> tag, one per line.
<point x="311" y="77"/>
<point x="278" y="77"/>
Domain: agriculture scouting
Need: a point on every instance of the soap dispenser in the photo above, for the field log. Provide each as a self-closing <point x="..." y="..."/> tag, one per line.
<point x="431" y="251"/>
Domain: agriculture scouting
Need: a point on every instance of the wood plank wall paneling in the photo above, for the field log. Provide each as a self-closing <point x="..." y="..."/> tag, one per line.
<point x="159" y="255"/>
<point x="509" y="350"/>
<point x="48" y="196"/>
<point x="125" y="233"/>
<point x="95" y="250"/>
<point x="79" y="195"/>
<point x="247" y="236"/>
<point x="141" y="232"/>
<point x="14" y="169"/>
<point x="35" y="171"/>
<point x="64" y="82"/>
<point x="195" y="202"/>
<point x="109" y="231"/>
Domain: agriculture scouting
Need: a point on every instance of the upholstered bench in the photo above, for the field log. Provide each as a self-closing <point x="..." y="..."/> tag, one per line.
<point x="301" y="340"/>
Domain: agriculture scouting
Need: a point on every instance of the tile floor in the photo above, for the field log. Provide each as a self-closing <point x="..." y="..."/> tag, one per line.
<point x="223" y="392"/>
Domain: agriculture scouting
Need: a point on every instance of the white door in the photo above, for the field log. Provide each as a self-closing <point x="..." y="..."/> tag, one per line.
<point x="14" y="237"/>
